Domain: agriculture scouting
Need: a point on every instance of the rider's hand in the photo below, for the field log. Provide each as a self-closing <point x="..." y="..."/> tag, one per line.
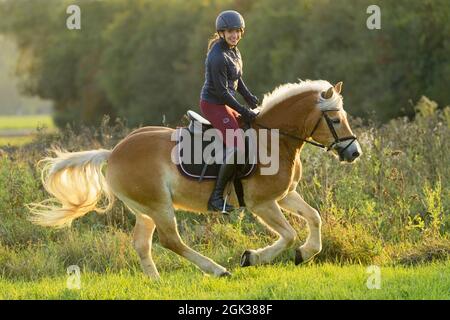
<point x="253" y="101"/>
<point x="249" y="115"/>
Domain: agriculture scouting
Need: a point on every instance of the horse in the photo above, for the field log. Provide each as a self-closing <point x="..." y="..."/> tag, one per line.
<point x="140" y="173"/>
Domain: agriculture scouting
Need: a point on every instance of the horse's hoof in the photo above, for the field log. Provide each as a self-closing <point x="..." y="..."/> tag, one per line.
<point x="298" y="257"/>
<point x="225" y="274"/>
<point x="245" y="259"/>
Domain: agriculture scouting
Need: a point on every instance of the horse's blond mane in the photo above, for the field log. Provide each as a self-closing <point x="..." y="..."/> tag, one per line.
<point x="288" y="90"/>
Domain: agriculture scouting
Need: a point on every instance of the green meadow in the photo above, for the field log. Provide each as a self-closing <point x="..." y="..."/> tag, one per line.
<point x="25" y="122"/>
<point x="20" y="130"/>
<point x="283" y="281"/>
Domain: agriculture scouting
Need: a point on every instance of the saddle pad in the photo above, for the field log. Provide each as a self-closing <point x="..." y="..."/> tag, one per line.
<point x="193" y="163"/>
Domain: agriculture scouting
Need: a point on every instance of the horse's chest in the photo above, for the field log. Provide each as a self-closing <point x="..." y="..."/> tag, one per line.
<point x="274" y="186"/>
<point x="288" y="177"/>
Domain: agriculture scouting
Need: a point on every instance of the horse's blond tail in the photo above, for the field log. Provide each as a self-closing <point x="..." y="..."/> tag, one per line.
<point x="76" y="182"/>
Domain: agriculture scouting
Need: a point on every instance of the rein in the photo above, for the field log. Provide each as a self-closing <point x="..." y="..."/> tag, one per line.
<point x="330" y="126"/>
<point x="294" y="136"/>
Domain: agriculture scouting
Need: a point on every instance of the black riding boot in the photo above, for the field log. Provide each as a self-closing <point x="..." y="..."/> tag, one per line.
<point x="226" y="172"/>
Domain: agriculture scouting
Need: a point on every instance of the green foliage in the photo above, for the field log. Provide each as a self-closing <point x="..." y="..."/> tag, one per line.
<point x="142" y="60"/>
<point x="395" y="195"/>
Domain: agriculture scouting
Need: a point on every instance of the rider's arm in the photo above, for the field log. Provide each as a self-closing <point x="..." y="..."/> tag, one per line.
<point x="219" y="77"/>
<point x="251" y="99"/>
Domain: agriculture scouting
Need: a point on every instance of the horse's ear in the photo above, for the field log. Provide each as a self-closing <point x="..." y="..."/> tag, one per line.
<point x="338" y="86"/>
<point x="327" y="94"/>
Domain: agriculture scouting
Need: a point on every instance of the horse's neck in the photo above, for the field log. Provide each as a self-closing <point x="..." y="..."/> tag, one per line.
<point x="289" y="117"/>
<point x="289" y="148"/>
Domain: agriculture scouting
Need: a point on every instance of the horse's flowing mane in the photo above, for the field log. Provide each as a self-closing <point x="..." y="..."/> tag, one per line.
<point x="288" y="90"/>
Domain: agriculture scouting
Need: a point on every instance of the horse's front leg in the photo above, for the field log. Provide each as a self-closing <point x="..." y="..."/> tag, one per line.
<point x="294" y="203"/>
<point x="271" y="215"/>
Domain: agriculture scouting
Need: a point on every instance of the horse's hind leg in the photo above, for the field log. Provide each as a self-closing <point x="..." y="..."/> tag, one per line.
<point x="142" y="242"/>
<point x="271" y="215"/>
<point x="142" y="236"/>
<point x="170" y="238"/>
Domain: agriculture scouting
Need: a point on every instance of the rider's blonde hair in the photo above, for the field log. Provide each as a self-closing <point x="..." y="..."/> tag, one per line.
<point x="214" y="38"/>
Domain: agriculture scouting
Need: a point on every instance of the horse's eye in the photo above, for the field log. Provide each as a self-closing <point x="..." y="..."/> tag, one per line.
<point x="336" y="121"/>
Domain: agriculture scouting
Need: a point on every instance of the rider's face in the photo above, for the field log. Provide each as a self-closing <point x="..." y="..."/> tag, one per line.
<point x="232" y="37"/>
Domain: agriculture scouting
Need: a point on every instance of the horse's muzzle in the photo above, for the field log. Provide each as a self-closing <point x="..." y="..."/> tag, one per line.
<point x="348" y="151"/>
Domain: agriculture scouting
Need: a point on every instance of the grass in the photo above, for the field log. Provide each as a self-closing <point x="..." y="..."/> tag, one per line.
<point x="283" y="281"/>
<point x="25" y="122"/>
<point x="16" y="140"/>
<point x="20" y="130"/>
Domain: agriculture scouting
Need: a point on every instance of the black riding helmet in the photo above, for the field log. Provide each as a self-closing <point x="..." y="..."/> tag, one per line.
<point x="228" y="20"/>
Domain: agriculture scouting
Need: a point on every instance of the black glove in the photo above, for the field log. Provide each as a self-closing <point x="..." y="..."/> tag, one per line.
<point x="252" y="101"/>
<point x="248" y="115"/>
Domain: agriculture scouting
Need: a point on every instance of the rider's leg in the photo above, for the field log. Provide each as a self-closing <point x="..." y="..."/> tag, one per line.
<point x="226" y="173"/>
<point x="224" y="119"/>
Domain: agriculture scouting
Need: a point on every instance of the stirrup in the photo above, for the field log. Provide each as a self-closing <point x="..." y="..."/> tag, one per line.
<point x="225" y="208"/>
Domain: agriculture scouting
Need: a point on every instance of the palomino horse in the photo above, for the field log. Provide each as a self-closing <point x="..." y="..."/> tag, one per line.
<point x="140" y="173"/>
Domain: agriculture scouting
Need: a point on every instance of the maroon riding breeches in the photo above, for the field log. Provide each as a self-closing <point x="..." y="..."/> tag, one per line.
<point x="223" y="118"/>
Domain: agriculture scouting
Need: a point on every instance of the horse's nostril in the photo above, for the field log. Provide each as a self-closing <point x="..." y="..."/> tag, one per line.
<point x="355" y="154"/>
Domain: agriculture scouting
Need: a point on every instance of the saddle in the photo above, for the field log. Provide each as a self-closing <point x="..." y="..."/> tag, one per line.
<point x="195" y="140"/>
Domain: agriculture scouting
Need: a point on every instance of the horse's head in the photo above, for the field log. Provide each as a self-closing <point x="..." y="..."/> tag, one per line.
<point x="330" y="125"/>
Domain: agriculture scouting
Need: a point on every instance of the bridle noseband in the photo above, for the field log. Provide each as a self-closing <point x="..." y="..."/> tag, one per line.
<point x="332" y="130"/>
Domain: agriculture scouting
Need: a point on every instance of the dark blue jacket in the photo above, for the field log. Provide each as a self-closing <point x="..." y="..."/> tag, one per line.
<point x="223" y="77"/>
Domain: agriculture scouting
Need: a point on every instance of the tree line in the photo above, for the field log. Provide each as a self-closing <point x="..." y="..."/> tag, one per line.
<point x="143" y="60"/>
